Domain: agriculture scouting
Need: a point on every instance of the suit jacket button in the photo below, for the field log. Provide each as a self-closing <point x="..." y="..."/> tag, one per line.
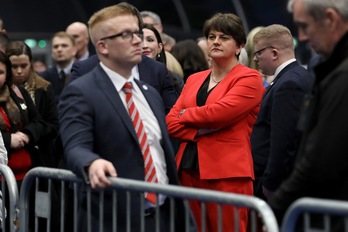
<point x="141" y="162"/>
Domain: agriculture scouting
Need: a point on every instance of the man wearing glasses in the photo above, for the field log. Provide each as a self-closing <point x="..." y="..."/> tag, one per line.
<point x="114" y="125"/>
<point x="275" y="136"/>
<point x="148" y="70"/>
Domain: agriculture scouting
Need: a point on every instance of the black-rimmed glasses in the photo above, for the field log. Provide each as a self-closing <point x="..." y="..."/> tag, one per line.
<point x="126" y="35"/>
<point x="259" y="52"/>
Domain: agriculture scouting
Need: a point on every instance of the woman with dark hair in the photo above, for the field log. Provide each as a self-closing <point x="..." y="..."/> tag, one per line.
<point x="20" y="124"/>
<point x="41" y="93"/>
<point x="213" y="118"/>
<point x="153" y="48"/>
<point x="190" y="57"/>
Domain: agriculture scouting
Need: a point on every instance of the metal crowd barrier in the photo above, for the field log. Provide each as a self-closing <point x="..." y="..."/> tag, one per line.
<point x="43" y="203"/>
<point x="316" y="215"/>
<point x="9" y="204"/>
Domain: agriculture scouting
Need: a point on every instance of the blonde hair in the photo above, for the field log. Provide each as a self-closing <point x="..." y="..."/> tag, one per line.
<point x="275" y="35"/>
<point x="250" y="48"/>
<point x="173" y="65"/>
<point x="110" y="12"/>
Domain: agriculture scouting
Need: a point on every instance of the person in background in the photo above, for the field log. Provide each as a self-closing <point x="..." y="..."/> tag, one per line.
<point x="39" y="65"/>
<point x="153" y="19"/>
<point x="20" y="124"/>
<point x="84" y="122"/>
<point x="213" y="117"/>
<point x="4" y="41"/>
<point x="41" y="93"/>
<point x="243" y="57"/>
<point x="153" y="48"/>
<point x="63" y="52"/>
<point x="79" y="31"/>
<point x="322" y="162"/>
<point x="202" y="43"/>
<point x="190" y="57"/>
<point x="275" y="137"/>
<point x="250" y="49"/>
<point x="168" y="41"/>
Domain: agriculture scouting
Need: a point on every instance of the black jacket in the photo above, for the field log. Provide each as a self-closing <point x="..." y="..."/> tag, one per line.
<point x="322" y="163"/>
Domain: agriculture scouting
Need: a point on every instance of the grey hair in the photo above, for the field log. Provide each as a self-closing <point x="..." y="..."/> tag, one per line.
<point x="152" y="15"/>
<point x="316" y="8"/>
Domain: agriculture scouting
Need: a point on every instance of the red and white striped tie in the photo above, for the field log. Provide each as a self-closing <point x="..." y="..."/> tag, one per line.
<point x="150" y="170"/>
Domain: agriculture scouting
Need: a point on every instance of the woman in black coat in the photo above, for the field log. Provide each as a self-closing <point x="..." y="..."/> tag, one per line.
<point x="41" y="93"/>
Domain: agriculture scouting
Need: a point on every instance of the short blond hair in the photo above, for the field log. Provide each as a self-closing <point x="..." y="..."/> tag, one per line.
<point x="275" y="35"/>
<point x="110" y="12"/>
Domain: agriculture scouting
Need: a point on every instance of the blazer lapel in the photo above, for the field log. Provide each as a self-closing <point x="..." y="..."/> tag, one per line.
<point x="106" y="86"/>
<point x="289" y="66"/>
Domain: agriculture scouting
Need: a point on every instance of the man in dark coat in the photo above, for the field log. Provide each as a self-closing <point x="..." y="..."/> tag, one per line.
<point x="322" y="162"/>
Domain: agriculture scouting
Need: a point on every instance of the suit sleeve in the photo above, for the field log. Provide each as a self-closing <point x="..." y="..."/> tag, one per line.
<point x="237" y="103"/>
<point x="176" y="129"/>
<point x="76" y="129"/>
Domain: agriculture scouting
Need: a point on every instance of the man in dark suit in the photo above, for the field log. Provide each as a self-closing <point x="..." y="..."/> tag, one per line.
<point x="97" y="131"/>
<point x="150" y="71"/>
<point x="63" y="53"/>
<point x="275" y="137"/>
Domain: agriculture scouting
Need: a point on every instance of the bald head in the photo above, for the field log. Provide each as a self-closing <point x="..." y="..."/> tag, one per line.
<point x="79" y="31"/>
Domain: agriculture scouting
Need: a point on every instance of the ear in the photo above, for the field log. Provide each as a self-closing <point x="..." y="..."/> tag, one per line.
<point x="332" y="19"/>
<point x="101" y="47"/>
<point x="275" y="53"/>
<point x="160" y="47"/>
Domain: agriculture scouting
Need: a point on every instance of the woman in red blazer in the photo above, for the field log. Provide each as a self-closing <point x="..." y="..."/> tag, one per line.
<point x="213" y="118"/>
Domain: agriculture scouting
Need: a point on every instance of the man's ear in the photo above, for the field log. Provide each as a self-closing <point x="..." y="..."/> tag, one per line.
<point x="101" y="47"/>
<point x="332" y="19"/>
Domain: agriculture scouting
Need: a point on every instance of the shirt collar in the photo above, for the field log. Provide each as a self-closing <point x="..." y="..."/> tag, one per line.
<point x="117" y="79"/>
<point x="66" y="69"/>
<point x="283" y="65"/>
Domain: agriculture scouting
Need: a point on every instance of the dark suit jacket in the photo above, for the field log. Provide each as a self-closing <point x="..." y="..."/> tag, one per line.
<point x="152" y="72"/>
<point x="51" y="75"/>
<point x="47" y="107"/>
<point x="95" y="124"/>
<point x="275" y="137"/>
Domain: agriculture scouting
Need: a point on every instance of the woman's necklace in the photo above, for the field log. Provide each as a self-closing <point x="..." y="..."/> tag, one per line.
<point x="212" y="78"/>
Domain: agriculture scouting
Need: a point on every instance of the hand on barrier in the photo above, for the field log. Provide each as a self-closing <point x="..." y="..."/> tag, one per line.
<point x="98" y="173"/>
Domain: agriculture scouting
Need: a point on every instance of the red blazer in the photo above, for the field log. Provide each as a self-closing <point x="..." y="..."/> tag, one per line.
<point x="231" y="110"/>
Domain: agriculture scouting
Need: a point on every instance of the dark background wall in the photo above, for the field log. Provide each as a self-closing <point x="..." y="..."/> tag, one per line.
<point x="39" y="17"/>
<point x="182" y="19"/>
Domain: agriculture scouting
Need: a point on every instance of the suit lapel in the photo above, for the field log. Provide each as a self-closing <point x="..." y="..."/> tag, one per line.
<point x="289" y="66"/>
<point x="106" y="86"/>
